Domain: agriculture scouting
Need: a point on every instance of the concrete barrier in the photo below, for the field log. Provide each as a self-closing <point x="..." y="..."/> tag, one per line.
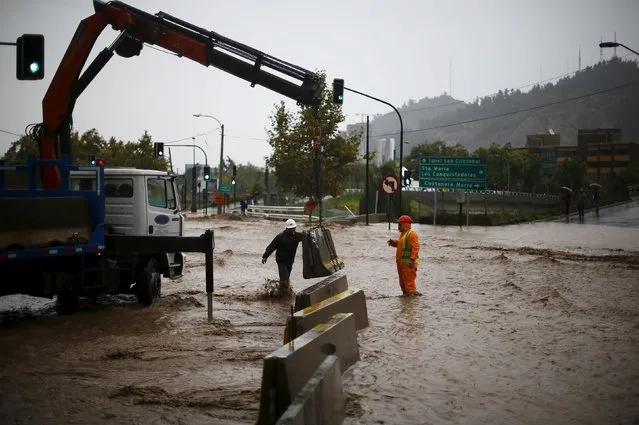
<point x="321" y="401"/>
<point x="287" y="370"/>
<point x="349" y="301"/>
<point x="326" y="288"/>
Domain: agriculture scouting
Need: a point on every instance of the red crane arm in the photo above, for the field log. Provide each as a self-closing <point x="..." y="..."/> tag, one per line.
<point x="138" y="27"/>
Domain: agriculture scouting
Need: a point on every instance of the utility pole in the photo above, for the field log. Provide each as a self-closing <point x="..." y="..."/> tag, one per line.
<point x="193" y="189"/>
<point x="366" y="196"/>
<point x="193" y="182"/>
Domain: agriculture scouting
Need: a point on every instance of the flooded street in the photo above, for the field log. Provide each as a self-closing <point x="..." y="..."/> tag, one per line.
<point x="526" y="324"/>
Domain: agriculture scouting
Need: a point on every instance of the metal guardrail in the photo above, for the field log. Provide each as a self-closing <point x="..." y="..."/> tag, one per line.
<point x="277" y="212"/>
<point x="494" y="193"/>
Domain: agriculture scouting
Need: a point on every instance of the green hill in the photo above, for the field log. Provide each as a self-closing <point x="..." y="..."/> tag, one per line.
<point x="602" y="96"/>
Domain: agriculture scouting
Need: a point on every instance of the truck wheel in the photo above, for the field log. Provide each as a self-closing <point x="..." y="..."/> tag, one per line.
<point x="149" y="285"/>
<point x="67" y="303"/>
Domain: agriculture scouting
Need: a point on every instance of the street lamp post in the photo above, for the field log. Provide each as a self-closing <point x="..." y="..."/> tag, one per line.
<point x="219" y="179"/>
<point x="401" y="137"/>
<point x="608" y="44"/>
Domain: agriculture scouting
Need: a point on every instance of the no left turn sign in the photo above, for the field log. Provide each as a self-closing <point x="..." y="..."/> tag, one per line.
<point x="389" y="185"/>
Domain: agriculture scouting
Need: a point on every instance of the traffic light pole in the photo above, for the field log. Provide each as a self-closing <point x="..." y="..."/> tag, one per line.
<point x="193" y="190"/>
<point x="401" y="138"/>
<point x="221" y="170"/>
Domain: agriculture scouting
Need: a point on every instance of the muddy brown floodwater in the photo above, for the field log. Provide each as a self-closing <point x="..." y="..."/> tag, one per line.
<point x="527" y="324"/>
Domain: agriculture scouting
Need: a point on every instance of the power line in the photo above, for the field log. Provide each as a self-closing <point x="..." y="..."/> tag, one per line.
<point x="505" y="114"/>
<point x="226" y="136"/>
<point x="190" y="137"/>
<point x="11" y="133"/>
<point x="246" y="138"/>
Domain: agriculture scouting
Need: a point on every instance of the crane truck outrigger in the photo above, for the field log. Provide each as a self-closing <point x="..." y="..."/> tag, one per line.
<point x="68" y="236"/>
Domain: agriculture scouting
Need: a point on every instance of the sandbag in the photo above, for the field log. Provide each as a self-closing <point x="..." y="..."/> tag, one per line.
<point x="318" y="253"/>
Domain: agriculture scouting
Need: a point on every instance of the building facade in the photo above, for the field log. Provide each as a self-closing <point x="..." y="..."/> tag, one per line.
<point x="602" y="149"/>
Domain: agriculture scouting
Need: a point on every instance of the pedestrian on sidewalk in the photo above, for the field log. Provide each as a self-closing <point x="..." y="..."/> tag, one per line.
<point x="567" y="198"/>
<point x="581" y="203"/>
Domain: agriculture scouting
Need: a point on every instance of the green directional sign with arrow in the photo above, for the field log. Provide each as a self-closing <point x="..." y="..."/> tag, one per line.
<point x="450" y="172"/>
<point x="226" y="188"/>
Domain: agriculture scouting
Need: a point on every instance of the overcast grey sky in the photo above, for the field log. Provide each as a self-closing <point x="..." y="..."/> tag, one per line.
<point x="394" y="50"/>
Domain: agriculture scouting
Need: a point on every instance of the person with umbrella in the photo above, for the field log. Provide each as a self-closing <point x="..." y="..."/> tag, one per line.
<point x="567" y="198"/>
<point x="581" y="203"/>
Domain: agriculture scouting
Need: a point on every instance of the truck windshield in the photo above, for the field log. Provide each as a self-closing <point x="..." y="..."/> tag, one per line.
<point x="160" y="193"/>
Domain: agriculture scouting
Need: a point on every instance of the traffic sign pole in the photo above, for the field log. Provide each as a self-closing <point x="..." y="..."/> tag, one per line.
<point x="390" y="185"/>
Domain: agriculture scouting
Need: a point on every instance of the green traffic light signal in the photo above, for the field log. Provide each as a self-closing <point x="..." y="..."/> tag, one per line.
<point x="159" y="149"/>
<point x="338" y="91"/>
<point x="30" y="57"/>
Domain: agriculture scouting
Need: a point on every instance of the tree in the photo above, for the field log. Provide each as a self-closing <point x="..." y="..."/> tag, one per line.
<point x="20" y="150"/>
<point x="571" y="173"/>
<point x="139" y="154"/>
<point x="248" y="180"/>
<point x="630" y="176"/>
<point x="292" y="161"/>
<point x="497" y="165"/>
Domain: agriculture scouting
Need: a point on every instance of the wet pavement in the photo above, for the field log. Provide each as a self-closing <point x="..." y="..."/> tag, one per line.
<point x="626" y="215"/>
<point x="622" y="215"/>
<point x="527" y="324"/>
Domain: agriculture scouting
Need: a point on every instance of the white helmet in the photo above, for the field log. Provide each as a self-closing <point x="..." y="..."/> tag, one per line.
<point x="290" y="224"/>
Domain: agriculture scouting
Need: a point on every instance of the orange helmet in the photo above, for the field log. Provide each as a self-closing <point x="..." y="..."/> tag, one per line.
<point x="405" y="219"/>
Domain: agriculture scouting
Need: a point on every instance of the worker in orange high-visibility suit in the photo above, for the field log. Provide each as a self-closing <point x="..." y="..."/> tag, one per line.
<point x="407" y="255"/>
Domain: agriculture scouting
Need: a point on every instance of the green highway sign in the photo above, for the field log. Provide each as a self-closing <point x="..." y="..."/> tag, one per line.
<point x="451" y="172"/>
<point x="226" y="188"/>
<point x="454" y="185"/>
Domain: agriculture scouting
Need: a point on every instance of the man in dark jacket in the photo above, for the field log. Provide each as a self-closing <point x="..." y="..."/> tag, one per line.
<point x="285" y="244"/>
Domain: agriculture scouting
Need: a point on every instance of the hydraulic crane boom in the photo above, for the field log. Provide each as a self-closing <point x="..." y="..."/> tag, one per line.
<point x="138" y="27"/>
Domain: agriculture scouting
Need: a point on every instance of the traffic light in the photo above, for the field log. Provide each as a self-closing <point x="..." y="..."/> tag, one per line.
<point x="234" y="174"/>
<point x="159" y="148"/>
<point x="407" y="178"/>
<point x="94" y="160"/>
<point x="338" y="91"/>
<point x="207" y="173"/>
<point x="30" y="57"/>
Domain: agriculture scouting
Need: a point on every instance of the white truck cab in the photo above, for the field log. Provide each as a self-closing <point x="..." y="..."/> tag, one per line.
<point x="140" y="203"/>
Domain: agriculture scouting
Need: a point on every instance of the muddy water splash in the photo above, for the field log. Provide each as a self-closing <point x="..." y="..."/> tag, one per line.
<point x="524" y="324"/>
